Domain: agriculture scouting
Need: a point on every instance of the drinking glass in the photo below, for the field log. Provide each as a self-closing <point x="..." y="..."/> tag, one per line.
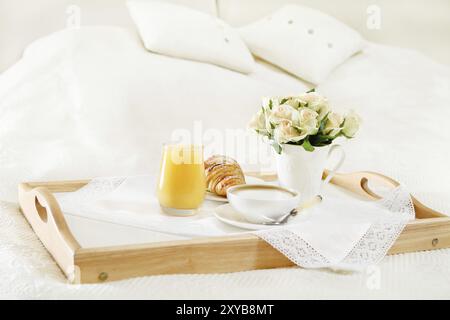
<point x="181" y="184"/>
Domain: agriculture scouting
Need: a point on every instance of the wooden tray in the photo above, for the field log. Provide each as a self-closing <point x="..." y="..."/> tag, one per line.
<point x="430" y="230"/>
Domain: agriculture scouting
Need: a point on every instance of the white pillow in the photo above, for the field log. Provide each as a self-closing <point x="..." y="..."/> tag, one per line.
<point x="182" y="32"/>
<point x="303" y="41"/>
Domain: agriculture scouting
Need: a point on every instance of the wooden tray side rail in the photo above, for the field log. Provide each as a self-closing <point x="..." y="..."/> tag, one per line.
<point x="203" y="255"/>
<point x="43" y="213"/>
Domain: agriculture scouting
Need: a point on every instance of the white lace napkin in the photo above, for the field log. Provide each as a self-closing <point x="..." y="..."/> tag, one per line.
<point x="342" y="232"/>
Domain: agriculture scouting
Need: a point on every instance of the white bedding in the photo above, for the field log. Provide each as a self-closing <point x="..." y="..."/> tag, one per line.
<point x="92" y="111"/>
<point x="93" y="102"/>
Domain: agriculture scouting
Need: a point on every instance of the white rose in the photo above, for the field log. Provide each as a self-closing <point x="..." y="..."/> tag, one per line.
<point x="293" y="102"/>
<point x="312" y="99"/>
<point x="285" y="132"/>
<point x="283" y="112"/>
<point x="316" y="102"/>
<point x="351" y="124"/>
<point x="333" y="124"/>
<point x="308" y="121"/>
<point x="258" y="121"/>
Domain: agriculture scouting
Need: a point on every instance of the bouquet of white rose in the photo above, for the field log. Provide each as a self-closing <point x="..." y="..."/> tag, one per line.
<point x="304" y="120"/>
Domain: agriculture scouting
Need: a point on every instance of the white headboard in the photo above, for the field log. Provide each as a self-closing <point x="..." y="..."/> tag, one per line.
<point x="22" y="21"/>
<point x="419" y="24"/>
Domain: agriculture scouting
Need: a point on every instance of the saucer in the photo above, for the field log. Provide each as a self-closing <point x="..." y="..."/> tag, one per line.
<point x="249" y="180"/>
<point x="228" y="215"/>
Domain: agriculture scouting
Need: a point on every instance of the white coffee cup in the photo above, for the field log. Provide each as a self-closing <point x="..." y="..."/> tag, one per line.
<point x="262" y="203"/>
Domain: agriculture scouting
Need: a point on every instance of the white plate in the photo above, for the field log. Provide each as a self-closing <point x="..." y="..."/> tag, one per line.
<point x="228" y="215"/>
<point x="214" y="197"/>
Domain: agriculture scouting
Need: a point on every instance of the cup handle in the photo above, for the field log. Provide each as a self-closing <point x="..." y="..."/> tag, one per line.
<point x="332" y="171"/>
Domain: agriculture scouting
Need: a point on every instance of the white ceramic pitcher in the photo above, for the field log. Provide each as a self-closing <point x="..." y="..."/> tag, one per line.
<point x="301" y="170"/>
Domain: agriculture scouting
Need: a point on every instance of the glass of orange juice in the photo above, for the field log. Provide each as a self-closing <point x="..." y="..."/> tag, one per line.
<point x="181" y="184"/>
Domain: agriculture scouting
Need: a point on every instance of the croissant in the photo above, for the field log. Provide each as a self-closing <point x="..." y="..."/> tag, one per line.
<point x="222" y="173"/>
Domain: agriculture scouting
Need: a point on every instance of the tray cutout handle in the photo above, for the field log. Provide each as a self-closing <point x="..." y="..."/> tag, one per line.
<point x="359" y="183"/>
<point x="41" y="209"/>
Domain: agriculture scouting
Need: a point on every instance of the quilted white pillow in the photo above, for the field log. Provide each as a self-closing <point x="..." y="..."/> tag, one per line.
<point x="302" y="41"/>
<point x="182" y="32"/>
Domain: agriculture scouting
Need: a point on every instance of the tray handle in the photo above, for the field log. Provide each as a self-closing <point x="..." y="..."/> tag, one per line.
<point x="359" y="183"/>
<point x="41" y="209"/>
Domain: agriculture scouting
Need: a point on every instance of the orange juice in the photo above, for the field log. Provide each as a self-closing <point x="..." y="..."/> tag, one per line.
<point x="181" y="185"/>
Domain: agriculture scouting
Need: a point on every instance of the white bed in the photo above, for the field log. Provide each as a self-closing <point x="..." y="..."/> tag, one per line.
<point x="62" y="119"/>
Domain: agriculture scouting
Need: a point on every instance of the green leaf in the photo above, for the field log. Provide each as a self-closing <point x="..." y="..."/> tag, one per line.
<point x="277" y="147"/>
<point x="307" y="145"/>
<point x="270" y="104"/>
<point x="262" y="132"/>
<point x="311" y="90"/>
<point x="320" y="140"/>
<point x="283" y="100"/>
<point x="323" y="122"/>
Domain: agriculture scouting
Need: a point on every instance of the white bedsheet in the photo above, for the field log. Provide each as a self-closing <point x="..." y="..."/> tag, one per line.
<point x="93" y="102"/>
<point x="85" y="113"/>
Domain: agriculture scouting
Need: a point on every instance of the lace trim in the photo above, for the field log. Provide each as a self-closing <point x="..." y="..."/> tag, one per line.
<point x="377" y="241"/>
<point x="399" y="201"/>
<point x="369" y="250"/>
<point x="294" y="248"/>
<point x="95" y="189"/>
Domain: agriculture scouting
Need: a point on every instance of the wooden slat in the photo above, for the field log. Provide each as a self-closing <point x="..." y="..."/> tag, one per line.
<point x="206" y="255"/>
<point x="423" y="234"/>
<point x="59" y="186"/>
